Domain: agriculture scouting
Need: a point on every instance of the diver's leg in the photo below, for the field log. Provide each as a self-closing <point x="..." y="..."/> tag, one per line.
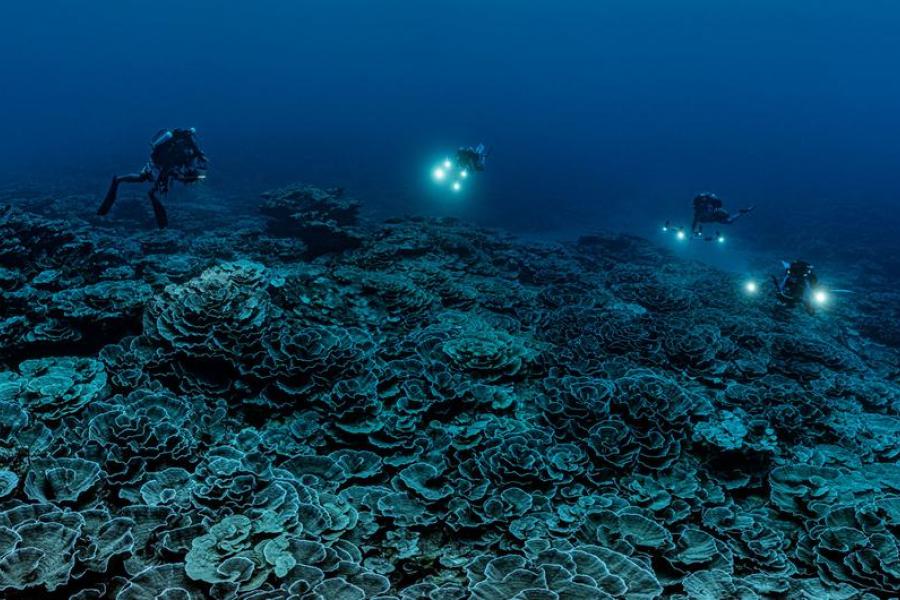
<point x="110" y="197"/>
<point x="113" y="190"/>
<point x="159" y="211"/>
<point x="740" y="213"/>
<point x="134" y="178"/>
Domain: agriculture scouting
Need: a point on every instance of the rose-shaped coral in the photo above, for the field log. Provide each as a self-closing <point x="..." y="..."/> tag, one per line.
<point x="612" y="446"/>
<point x="656" y="297"/>
<point x="476" y="348"/>
<point x="694" y="347"/>
<point x="587" y="571"/>
<point x="651" y="397"/>
<point x="572" y="405"/>
<point x="523" y="460"/>
<point x="220" y="315"/>
<point x="52" y="388"/>
<point x="298" y="360"/>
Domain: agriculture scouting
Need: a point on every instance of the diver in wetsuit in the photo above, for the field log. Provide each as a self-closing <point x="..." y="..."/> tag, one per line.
<point x="796" y="285"/>
<point x="471" y="159"/>
<point x="708" y="209"/>
<point x="174" y="156"/>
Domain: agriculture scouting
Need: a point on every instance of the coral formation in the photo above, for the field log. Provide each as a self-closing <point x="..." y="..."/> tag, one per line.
<point x="324" y="219"/>
<point x="314" y="408"/>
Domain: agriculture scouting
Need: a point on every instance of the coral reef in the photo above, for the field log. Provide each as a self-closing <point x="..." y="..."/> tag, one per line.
<point x="324" y="219"/>
<point x="314" y="408"/>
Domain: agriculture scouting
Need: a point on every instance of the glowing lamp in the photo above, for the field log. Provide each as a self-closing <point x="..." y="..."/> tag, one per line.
<point x="750" y="286"/>
<point x="680" y="235"/>
<point x="820" y="297"/>
<point x="439" y="174"/>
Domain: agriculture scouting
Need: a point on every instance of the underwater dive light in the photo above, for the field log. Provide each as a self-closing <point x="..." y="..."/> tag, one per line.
<point x="751" y="287"/>
<point x="457" y="186"/>
<point x="721" y="239"/>
<point x="680" y="235"/>
<point x="820" y="296"/>
<point x="439" y="174"/>
<point x="447" y="163"/>
<point x="463" y="173"/>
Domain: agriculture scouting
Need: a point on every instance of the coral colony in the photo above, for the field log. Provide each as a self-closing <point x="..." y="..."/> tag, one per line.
<point x="306" y="406"/>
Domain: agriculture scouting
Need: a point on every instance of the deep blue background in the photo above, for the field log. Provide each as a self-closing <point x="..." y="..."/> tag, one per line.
<point x="602" y="114"/>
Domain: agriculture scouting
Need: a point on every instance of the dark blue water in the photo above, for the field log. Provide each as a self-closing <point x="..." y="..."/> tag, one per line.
<point x="288" y="396"/>
<point x="599" y="112"/>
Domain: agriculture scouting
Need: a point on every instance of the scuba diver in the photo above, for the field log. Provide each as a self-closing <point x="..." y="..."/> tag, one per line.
<point x="708" y="209"/>
<point x="797" y="286"/>
<point x="468" y="160"/>
<point x="472" y="159"/>
<point x="174" y="156"/>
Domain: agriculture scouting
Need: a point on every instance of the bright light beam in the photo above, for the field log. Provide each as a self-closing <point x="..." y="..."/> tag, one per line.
<point x="439" y="174"/>
<point x="820" y="296"/>
<point x="680" y="235"/>
<point x="750" y="286"/>
<point x="456" y="186"/>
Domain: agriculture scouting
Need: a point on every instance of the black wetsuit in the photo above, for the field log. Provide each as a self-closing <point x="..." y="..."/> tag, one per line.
<point x="174" y="156"/>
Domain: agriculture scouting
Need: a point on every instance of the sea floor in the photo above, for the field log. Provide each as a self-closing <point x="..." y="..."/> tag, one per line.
<point x="295" y="403"/>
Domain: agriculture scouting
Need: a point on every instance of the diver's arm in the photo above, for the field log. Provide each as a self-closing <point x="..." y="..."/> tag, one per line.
<point x="199" y="155"/>
<point x="200" y="162"/>
<point x="779" y="289"/>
